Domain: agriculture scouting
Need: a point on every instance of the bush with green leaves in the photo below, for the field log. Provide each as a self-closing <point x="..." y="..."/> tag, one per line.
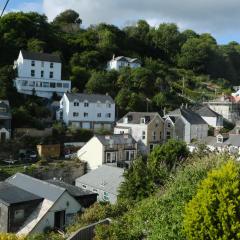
<point x="214" y="211"/>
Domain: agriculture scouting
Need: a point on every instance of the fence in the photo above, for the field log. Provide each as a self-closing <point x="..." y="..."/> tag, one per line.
<point x="87" y="233"/>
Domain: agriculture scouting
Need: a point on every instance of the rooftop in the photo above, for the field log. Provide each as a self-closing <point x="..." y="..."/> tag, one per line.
<point x="41" y="56"/>
<point x="135" y="117"/>
<point x="93" y="98"/>
<point x="106" y="178"/>
<point x="10" y="194"/>
<point x="71" y="189"/>
<point x="119" y="139"/>
<point x="207" y="112"/>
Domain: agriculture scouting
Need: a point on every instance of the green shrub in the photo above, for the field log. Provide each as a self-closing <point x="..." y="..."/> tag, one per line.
<point x="214" y="211"/>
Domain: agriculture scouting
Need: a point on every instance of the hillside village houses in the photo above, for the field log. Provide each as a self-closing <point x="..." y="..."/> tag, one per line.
<point x="116" y="63"/>
<point x="187" y="125"/>
<point x="88" y="111"/>
<point x="40" y="73"/>
<point x="227" y="106"/>
<point x="117" y="150"/>
<point x="147" y="128"/>
<point x="29" y="205"/>
<point x="5" y="120"/>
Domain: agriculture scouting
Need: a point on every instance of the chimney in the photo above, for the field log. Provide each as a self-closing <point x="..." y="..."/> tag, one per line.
<point x="164" y="111"/>
<point x="107" y="94"/>
<point x="113" y="58"/>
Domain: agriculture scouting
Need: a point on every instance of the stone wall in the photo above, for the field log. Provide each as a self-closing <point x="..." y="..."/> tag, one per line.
<point x="65" y="171"/>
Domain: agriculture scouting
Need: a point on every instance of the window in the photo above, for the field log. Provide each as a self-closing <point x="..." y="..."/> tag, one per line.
<point x="51" y="75"/>
<point x="86" y="104"/>
<point x="32" y="73"/>
<point x="85" y="114"/>
<point x="108" y="105"/>
<point x="18" y="215"/>
<point x="84" y="186"/>
<point x="46" y="84"/>
<point x="95" y="190"/>
<point x="99" y="115"/>
<point x="75" y="114"/>
<point x="33" y="63"/>
<point x="52" y="85"/>
<point x="130" y="155"/>
<point x="143" y="120"/>
<point x="42" y="74"/>
<point x="51" y="65"/>
<point x="108" y="115"/>
<point x="169" y="125"/>
<point x="219" y="139"/>
<point x="76" y="104"/>
<point x="65" y="85"/>
<point x="42" y="64"/>
<point x="111" y="157"/>
<point x="168" y="135"/>
<point x="154" y="135"/>
<point x="143" y="135"/>
<point x="98" y="104"/>
<point x="59" y="85"/>
<point x="106" y="196"/>
<point x="151" y="146"/>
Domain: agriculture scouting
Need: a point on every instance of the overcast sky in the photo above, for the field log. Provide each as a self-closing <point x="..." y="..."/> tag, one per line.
<point x="219" y="17"/>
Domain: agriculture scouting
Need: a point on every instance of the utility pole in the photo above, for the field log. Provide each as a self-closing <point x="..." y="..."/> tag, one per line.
<point x="183" y="85"/>
<point x="5" y="6"/>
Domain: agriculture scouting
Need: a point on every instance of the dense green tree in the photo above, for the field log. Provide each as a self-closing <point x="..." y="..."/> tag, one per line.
<point x="68" y="16"/>
<point x="137" y="183"/>
<point x="213" y="213"/>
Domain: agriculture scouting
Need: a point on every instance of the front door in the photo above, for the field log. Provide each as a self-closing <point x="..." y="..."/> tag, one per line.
<point x="59" y="219"/>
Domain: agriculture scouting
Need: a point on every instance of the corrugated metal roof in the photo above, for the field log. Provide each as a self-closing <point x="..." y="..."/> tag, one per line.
<point x="106" y="178"/>
<point x="40" y="56"/>
<point x="10" y="194"/>
<point x="93" y="98"/>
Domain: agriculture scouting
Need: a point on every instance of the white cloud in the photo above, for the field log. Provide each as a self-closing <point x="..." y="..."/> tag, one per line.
<point x="217" y="16"/>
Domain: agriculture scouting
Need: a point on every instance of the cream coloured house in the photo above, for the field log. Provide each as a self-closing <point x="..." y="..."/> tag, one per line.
<point x="147" y="128"/>
<point x="115" y="150"/>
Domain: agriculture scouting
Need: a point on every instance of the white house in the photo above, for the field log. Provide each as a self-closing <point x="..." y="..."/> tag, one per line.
<point x="40" y="73"/>
<point x="189" y="125"/>
<point x="147" y="128"/>
<point x="211" y="117"/>
<point x="115" y="150"/>
<point x="5" y="120"/>
<point x="121" y="61"/>
<point x="88" y="111"/>
<point x="227" y="106"/>
<point x="105" y="181"/>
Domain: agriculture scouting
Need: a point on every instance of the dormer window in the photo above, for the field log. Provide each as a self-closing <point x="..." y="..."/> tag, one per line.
<point x="76" y="104"/>
<point x="86" y="104"/>
<point x="33" y="63"/>
<point x="108" y="105"/>
<point x="51" y="65"/>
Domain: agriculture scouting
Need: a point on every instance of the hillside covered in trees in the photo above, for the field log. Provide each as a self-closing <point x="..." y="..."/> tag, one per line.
<point x="177" y="67"/>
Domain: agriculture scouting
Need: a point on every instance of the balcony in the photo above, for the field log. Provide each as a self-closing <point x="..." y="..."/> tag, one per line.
<point x="45" y="85"/>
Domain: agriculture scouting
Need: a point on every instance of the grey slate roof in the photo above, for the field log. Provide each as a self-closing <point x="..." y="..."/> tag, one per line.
<point x="92" y="98"/>
<point x="119" y="139"/>
<point x="135" y="117"/>
<point x="72" y="190"/>
<point x="40" y="56"/>
<point x="10" y="194"/>
<point x="36" y="186"/>
<point x="207" y="112"/>
<point x="106" y="178"/>
<point x="127" y="59"/>
<point x="188" y="114"/>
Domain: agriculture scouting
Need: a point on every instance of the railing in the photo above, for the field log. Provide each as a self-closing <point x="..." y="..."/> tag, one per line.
<point x="87" y="233"/>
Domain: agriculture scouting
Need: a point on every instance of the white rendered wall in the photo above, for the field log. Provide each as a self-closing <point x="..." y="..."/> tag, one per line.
<point x="92" y="153"/>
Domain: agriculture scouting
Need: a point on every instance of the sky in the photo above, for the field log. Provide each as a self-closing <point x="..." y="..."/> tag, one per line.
<point x="221" y="18"/>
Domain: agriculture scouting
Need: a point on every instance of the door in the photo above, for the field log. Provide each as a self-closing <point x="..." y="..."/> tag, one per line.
<point x="59" y="219"/>
<point x="3" y="137"/>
